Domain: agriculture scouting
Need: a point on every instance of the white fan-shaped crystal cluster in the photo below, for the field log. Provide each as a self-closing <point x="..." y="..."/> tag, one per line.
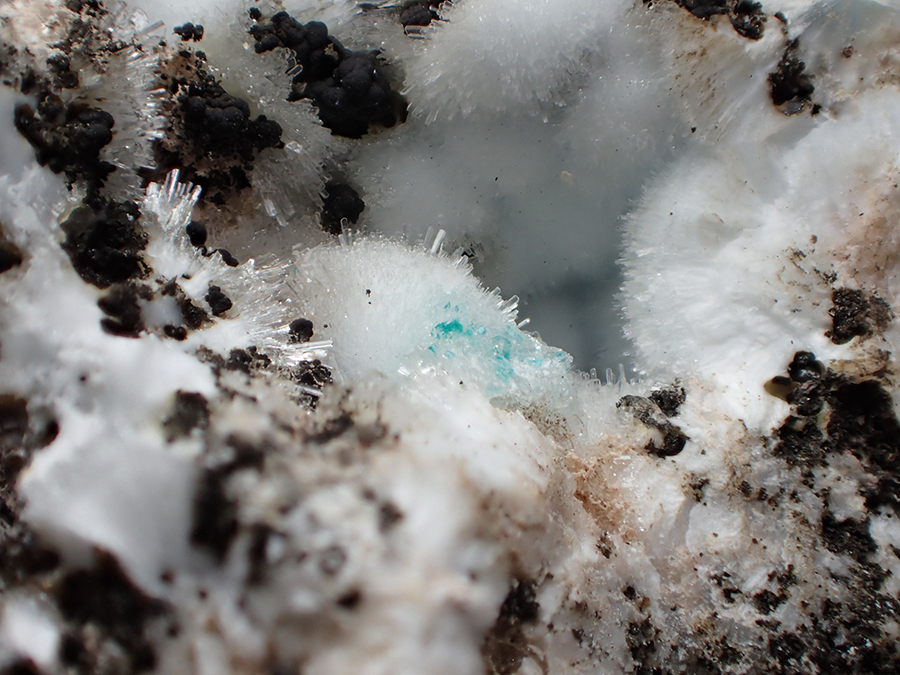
<point x="259" y="412"/>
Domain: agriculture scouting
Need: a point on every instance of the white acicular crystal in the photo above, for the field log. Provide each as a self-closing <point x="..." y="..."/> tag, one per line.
<point x="261" y="413"/>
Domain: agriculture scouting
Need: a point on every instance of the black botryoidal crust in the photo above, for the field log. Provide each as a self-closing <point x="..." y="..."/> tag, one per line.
<point x="214" y="141"/>
<point x="804" y="367"/>
<point x="196" y="232"/>
<point x="68" y="139"/>
<point x="505" y="645"/>
<point x="122" y="309"/>
<point x="107" y="614"/>
<point x="340" y="203"/>
<point x="748" y="19"/>
<point x="348" y="88"/>
<point x="669" y="399"/>
<point x="312" y="374"/>
<point x="189" y="31"/>
<point x="227" y="258"/>
<point x="214" y="520"/>
<point x="10" y="254"/>
<point x="64" y="77"/>
<point x="105" y="244"/>
<point x="860" y="421"/>
<point x="190" y="411"/>
<point x="746" y="16"/>
<point x="80" y="6"/>
<point x="300" y="330"/>
<point x="418" y="12"/>
<point x="652" y="416"/>
<point x="218" y="302"/>
<point x="197" y="235"/>
<point x="220" y="125"/>
<point x="790" y="87"/>
<point x="856" y="313"/>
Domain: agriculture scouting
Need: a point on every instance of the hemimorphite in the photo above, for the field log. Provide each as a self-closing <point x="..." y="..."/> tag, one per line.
<point x="393" y="309"/>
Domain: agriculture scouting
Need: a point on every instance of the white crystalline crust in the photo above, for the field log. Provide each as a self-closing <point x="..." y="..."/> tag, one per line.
<point x="807" y="207"/>
<point x="459" y="500"/>
<point x="497" y="54"/>
<point x="397" y="311"/>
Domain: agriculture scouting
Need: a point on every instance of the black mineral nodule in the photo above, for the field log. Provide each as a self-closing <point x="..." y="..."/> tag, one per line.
<point x="789" y="83"/>
<point x="847" y="537"/>
<point x="123" y="311"/>
<point x="521" y="602"/>
<point x="103" y="603"/>
<point x="313" y="374"/>
<point x="746" y="16"/>
<point x="10" y="254"/>
<point x="190" y="411"/>
<point x="196" y="232"/>
<point x="669" y="400"/>
<point x="218" y="302"/>
<point x="704" y="9"/>
<point x="855" y="313"/>
<point x="219" y="124"/>
<point x="213" y="140"/>
<point x="748" y="19"/>
<point x="804" y="367"/>
<point x="105" y="245"/>
<point x="648" y="412"/>
<point x="860" y="421"/>
<point x="505" y="646"/>
<point x="68" y="139"/>
<point x="175" y="332"/>
<point x="418" y="12"/>
<point x="340" y="202"/>
<point x="189" y="31"/>
<point x="214" y="523"/>
<point x="63" y="76"/>
<point x="227" y="258"/>
<point x="348" y="88"/>
<point x="300" y="330"/>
